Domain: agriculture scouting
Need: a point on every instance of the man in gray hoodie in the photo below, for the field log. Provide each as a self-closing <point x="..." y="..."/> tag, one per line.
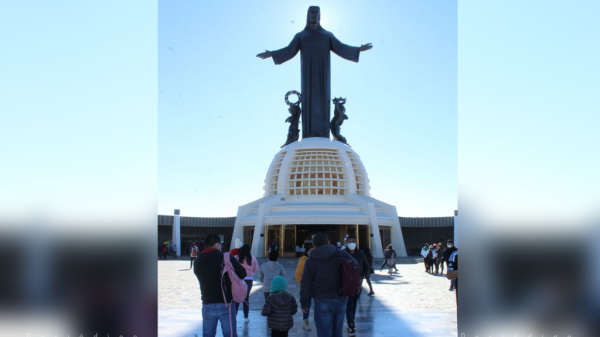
<point x="320" y="279"/>
<point x="269" y="270"/>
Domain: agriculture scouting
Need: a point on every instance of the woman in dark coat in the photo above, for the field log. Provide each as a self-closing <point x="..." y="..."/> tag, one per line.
<point x="369" y="257"/>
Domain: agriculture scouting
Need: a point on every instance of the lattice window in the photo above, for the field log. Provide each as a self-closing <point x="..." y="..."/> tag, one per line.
<point x="360" y="186"/>
<point x="275" y="175"/>
<point x="317" y="172"/>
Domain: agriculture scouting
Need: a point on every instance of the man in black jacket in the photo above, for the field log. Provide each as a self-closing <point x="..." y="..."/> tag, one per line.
<point x="365" y="271"/>
<point x="207" y="267"/>
<point x="320" y="279"/>
<point x="447" y="253"/>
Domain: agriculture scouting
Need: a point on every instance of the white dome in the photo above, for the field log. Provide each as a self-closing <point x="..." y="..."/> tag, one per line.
<point x="316" y="167"/>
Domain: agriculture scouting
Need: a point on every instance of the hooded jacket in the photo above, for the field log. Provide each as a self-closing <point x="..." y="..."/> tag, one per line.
<point x="280" y="306"/>
<point x="207" y="268"/>
<point x="267" y="271"/>
<point x="321" y="276"/>
<point x="363" y="264"/>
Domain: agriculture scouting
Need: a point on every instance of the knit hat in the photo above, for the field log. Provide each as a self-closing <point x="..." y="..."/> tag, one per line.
<point x="238" y="243"/>
<point x="278" y="284"/>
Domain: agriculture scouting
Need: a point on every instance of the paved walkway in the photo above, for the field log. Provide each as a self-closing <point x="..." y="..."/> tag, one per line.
<point x="408" y="303"/>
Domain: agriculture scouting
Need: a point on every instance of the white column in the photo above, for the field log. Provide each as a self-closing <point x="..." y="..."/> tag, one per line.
<point x="258" y="242"/>
<point x="176" y="240"/>
<point x="376" y="248"/>
<point x="397" y="237"/>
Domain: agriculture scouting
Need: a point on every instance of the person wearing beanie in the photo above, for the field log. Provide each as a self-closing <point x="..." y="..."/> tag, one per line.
<point x="279" y="308"/>
<point x="236" y="250"/>
<point x="269" y="270"/>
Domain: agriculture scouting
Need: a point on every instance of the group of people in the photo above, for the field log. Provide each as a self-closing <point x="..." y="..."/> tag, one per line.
<point x="317" y="273"/>
<point x="165" y="250"/>
<point x="434" y="255"/>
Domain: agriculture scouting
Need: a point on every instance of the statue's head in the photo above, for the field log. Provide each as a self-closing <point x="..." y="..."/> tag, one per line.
<point x="313" y="17"/>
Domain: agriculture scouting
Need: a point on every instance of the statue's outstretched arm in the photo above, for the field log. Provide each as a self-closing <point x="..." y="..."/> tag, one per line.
<point x="365" y="47"/>
<point x="264" y="55"/>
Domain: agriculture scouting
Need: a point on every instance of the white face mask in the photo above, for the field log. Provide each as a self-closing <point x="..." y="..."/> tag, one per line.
<point x="449" y="246"/>
<point x="352" y="246"/>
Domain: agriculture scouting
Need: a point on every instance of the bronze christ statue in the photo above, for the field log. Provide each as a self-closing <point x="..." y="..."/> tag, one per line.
<point x="314" y="44"/>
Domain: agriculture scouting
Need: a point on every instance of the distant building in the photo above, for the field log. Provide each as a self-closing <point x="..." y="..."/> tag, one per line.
<point x="415" y="231"/>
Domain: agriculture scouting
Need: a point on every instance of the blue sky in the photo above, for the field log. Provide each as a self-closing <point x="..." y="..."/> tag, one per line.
<point x="82" y="96"/>
<point x="221" y="110"/>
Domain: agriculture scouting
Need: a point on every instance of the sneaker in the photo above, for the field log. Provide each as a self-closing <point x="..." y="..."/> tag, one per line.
<point x="351" y="328"/>
<point x="371" y="293"/>
<point x="306" y="326"/>
<point x="246" y="320"/>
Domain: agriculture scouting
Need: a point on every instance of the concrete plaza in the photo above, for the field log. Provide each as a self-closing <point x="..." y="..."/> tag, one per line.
<point x="408" y="303"/>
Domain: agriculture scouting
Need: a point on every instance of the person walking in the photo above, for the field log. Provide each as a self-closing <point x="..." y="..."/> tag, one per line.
<point x="391" y="262"/>
<point x="433" y="257"/>
<point x="299" y="270"/>
<point x="438" y="258"/>
<point x="269" y="270"/>
<point x="428" y="258"/>
<point x="453" y="271"/>
<point x="321" y="279"/>
<point x="279" y="308"/>
<point x="365" y="272"/>
<point x="441" y="256"/>
<point x="273" y="246"/>
<point x="207" y="267"/>
<point x="193" y="254"/>
<point x="451" y="249"/>
<point x="369" y="257"/>
<point x="387" y="255"/>
<point x="424" y="251"/>
<point x="251" y="265"/>
<point x="165" y="251"/>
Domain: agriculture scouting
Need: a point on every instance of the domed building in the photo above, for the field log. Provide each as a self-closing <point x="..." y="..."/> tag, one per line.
<point x="317" y="185"/>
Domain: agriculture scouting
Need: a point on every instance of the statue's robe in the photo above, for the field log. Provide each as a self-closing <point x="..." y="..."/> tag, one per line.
<point x="314" y="46"/>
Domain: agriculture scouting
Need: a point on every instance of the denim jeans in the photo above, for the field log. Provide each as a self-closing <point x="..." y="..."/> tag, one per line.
<point x="329" y="317"/>
<point x="212" y="314"/>
<point x="305" y="316"/>
<point x="246" y="301"/>
<point x="351" y="307"/>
